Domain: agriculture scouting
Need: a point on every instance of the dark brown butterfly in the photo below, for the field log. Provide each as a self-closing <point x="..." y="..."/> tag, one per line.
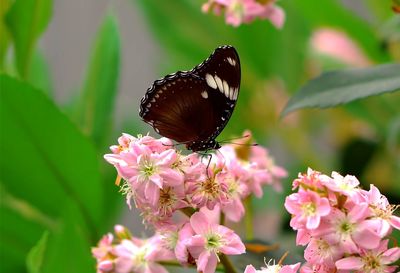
<point x="193" y="107"/>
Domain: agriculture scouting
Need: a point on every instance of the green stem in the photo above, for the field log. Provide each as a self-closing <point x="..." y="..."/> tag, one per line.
<point x="227" y="264"/>
<point x="188" y="211"/>
<point x="248" y="219"/>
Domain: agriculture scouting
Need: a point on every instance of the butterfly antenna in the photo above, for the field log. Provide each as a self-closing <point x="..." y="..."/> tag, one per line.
<point x="229" y="141"/>
<point x="234" y="138"/>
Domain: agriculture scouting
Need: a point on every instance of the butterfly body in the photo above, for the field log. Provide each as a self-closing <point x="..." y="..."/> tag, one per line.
<point x="192" y="107"/>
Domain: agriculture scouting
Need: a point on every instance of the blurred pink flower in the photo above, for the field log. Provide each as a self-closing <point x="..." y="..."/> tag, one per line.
<point x="104" y="247"/>
<point x="246" y="11"/>
<point x="307" y="208"/>
<point x="338" y="45"/>
<point x="209" y="240"/>
<point x="141" y="256"/>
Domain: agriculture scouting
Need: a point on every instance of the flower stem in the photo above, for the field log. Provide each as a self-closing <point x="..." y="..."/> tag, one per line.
<point x="188" y="211"/>
<point x="227" y="264"/>
<point x="248" y="219"/>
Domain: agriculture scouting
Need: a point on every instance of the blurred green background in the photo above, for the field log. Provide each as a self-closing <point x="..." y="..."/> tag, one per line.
<point x="73" y="73"/>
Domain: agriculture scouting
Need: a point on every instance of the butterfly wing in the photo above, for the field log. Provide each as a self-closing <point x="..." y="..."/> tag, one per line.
<point x="222" y="74"/>
<point x="179" y="107"/>
<point x="194" y="106"/>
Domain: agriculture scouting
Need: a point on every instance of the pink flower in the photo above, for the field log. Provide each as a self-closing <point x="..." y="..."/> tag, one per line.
<point x="211" y="190"/>
<point x="320" y="251"/>
<point x="312" y="180"/>
<point x="274" y="268"/>
<point x="246" y="11"/>
<point x="337" y="44"/>
<point x="104" y="247"/>
<point x="233" y="208"/>
<point x="372" y="261"/>
<point x="318" y="268"/>
<point x="141" y="256"/>
<point x="382" y="210"/>
<point x="209" y="240"/>
<point x="350" y="230"/>
<point x="307" y="208"/>
<point x="261" y="158"/>
<point x="347" y="185"/>
<point x="147" y="164"/>
<point x="181" y="249"/>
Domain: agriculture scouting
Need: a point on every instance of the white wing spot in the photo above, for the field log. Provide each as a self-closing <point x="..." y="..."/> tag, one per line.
<point x="156" y="129"/>
<point x="231" y="61"/>
<point x="210" y="81"/>
<point x="204" y="94"/>
<point x="226" y="88"/>
<point x="236" y="93"/>
<point x="219" y="84"/>
<point x="153" y="100"/>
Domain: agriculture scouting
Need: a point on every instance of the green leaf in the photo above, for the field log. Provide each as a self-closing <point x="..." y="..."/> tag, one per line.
<point x="35" y="256"/>
<point x="101" y="84"/>
<point x="49" y="167"/>
<point x="26" y="21"/>
<point x="4" y="34"/>
<point x="69" y="246"/>
<point x="343" y="86"/>
<point x="39" y="75"/>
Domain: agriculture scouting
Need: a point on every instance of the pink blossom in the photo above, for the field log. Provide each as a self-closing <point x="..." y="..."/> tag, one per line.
<point x="141" y="256"/>
<point x="320" y="251"/>
<point x="318" y="268"/>
<point x="347" y="185"/>
<point x="339" y="45"/>
<point x="308" y="208"/>
<point x="259" y="156"/>
<point x="372" y="261"/>
<point x="104" y="247"/>
<point x="209" y="240"/>
<point x="274" y="268"/>
<point x="382" y="210"/>
<point x="233" y="208"/>
<point x="350" y="230"/>
<point x="211" y="190"/>
<point x="181" y="249"/>
<point x="246" y="11"/>
<point x="310" y="180"/>
<point x="147" y="165"/>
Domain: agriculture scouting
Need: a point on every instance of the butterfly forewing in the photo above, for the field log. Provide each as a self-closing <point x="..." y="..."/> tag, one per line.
<point x="193" y="107"/>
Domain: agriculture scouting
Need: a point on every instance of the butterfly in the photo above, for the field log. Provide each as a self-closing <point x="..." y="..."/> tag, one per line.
<point x="193" y="107"/>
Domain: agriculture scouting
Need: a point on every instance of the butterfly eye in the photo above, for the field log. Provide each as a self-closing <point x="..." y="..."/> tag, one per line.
<point x="193" y="107"/>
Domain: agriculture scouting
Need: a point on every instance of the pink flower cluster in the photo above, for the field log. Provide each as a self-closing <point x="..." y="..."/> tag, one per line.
<point x="246" y="11"/>
<point x="162" y="182"/>
<point x="344" y="228"/>
<point x="122" y="253"/>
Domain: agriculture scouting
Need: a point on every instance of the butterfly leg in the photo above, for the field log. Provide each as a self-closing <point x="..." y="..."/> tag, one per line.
<point x="209" y="155"/>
